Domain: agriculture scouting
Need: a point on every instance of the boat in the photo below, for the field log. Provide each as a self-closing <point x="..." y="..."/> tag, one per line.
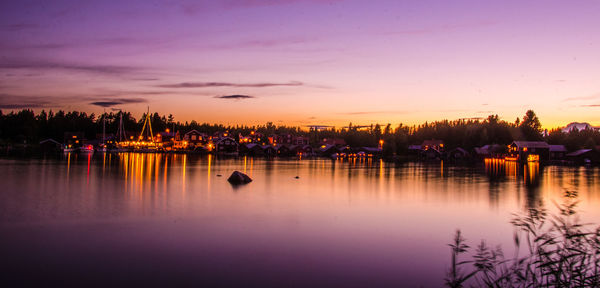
<point x="86" y="149"/>
<point x="68" y="149"/>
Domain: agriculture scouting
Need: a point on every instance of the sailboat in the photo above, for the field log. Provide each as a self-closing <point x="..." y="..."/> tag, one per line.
<point x="122" y="143"/>
<point x="146" y="140"/>
<point x="102" y="147"/>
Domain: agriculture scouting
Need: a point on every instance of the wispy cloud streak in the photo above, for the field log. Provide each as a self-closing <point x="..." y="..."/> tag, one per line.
<point x="114" y="102"/>
<point x="54" y="65"/>
<point x="235" y="97"/>
<point x="228" y="84"/>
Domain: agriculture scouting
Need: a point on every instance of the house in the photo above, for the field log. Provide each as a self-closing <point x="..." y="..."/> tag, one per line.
<point x="372" y="151"/>
<point x="458" y="154"/>
<point x="226" y="145"/>
<point x="302" y="150"/>
<point x="251" y="149"/>
<point x="557" y="152"/>
<point x="415" y="150"/>
<point x="530" y="150"/>
<point x="269" y="150"/>
<point x="50" y="145"/>
<point x="345" y="149"/>
<point x="584" y="156"/>
<point x="433" y="144"/>
<point x="283" y="150"/>
<point x="328" y="150"/>
<point x="490" y="150"/>
<point x="432" y="153"/>
<point x="166" y="138"/>
<point x="195" y="138"/>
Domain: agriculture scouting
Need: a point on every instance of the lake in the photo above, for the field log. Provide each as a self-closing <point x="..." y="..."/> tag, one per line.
<point x="172" y="219"/>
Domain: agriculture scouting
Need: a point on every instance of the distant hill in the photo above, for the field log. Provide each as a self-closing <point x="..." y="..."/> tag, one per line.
<point x="578" y="126"/>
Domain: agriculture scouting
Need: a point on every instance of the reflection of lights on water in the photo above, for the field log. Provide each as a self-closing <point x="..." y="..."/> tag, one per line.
<point x="88" y="168"/>
<point x="208" y="170"/>
<point x="68" y="164"/>
<point x="183" y="173"/>
<point x="533" y="170"/>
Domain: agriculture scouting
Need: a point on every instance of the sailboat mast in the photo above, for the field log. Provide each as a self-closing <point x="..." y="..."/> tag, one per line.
<point x="104" y="128"/>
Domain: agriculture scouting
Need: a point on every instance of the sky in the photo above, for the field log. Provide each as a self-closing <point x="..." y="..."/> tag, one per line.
<point x="305" y="62"/>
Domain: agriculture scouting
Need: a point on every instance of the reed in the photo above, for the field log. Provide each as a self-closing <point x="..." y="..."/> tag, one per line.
<point x="559" y="251"/>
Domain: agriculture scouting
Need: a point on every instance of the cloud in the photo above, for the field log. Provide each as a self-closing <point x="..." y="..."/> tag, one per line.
<point x="22" y="106"/>
<point x="235" y="97"/>
<point x="145" y="79"/>
<point x="227" y="84"/>
<point x="114" y="102"/>
<point x="591" y="105"/>
<point x="263" y="43"/>
<point x="11" y="101"/>
<point x="590" y="97"/>
<point x="106" y="103"/>
<point x="6" y="63"/>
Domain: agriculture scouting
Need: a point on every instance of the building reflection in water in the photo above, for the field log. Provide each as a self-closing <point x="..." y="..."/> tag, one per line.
<point x="525" y="175"/>
<point x="161" y="180"/>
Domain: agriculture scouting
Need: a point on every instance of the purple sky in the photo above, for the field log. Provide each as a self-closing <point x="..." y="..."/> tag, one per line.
<point x="305" y="62"/>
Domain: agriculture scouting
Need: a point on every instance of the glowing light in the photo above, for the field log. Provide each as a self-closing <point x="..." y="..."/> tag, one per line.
<point x="533" y="158"/>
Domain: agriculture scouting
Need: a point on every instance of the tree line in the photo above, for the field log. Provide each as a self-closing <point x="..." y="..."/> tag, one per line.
<point x="19" y="127"/>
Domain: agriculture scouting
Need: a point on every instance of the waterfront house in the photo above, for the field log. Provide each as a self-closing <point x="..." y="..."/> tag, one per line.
<point x="458" y="154"/>
<point x="328" y="150"/>
<point x="584" y="156"/>
<point x="166" y="139"/>
<point x="345" y="150"/>
<point x="269" y="150"/>
<point x="302" y="150"/>
<point x="370" y="151"/>
<point x="415" y="150"/>
<point x="225" y="145"/>
<point x="283" y="150"/>
<point x="195" y="138"/>
<point x="50" y="145"/>
<point x="252" y="149"/>
<point x="433" y="144"/>
<point x="433" y="149"/>
<point x="530" y="150"/>
<point x="557" y="152"/>
<point x="490" y="150"/>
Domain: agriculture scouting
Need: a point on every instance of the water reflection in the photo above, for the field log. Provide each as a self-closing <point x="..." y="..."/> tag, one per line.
<point x="336" y="215"/>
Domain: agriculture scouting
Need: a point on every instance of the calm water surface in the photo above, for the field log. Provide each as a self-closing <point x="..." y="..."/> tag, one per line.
<point x="168" y="220"/>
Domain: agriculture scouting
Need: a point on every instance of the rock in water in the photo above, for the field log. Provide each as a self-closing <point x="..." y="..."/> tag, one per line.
<point x="238" y="177"/>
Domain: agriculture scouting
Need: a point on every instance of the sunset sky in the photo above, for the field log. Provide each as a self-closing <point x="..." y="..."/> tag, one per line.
<point x="305" y="62"/>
